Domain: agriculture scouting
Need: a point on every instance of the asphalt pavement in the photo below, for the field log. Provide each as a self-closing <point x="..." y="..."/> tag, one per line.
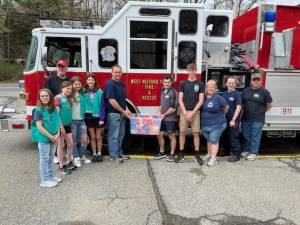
<point x="139" y="191"/>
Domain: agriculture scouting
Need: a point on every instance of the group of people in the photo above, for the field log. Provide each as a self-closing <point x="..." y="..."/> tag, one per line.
<point x="72" y="114"/>
<point x="205" y="109"/>
<point x="68" y="113"/>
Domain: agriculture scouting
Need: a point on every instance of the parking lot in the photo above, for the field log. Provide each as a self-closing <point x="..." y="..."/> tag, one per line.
<point x="141" y="191"/>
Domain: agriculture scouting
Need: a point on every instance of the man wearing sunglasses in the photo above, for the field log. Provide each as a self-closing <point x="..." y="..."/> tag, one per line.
<point x="256" y="102"/>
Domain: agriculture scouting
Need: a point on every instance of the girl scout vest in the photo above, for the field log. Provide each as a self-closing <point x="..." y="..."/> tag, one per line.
<point x="50" y="122"/>
<point x="91" y="107"/>
<point x="65" y="112"/>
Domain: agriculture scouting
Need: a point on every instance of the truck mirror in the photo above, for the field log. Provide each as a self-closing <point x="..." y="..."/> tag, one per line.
<point x="209" y="28"/>
<point x="44" y="56"/>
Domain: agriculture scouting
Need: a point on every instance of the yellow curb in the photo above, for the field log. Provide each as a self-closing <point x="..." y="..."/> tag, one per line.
<point x="192" y="157"/>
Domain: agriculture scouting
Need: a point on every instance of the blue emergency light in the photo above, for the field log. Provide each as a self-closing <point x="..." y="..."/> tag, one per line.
<point x="270" y="16"/>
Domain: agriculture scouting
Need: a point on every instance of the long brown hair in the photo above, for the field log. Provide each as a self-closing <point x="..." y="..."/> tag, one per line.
<point x="86" y="86"/>
<point x="50" y="105"/>
<point x="73" y="80"/>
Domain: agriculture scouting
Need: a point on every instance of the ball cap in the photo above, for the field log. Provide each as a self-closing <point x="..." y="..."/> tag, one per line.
<point x="61" y="63"/>
<point x="256" y="76"/>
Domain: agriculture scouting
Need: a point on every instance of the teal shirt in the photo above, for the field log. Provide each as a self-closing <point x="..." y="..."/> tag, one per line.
<point x="50" y="121"/>
<point x="65" y="112"/>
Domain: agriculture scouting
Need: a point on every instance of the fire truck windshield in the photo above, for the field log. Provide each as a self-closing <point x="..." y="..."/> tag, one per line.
<point x="30" y="63"/>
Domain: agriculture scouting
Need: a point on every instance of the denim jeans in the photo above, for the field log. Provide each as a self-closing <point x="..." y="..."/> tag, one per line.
<point x="252" y="134"/>
<point x="213" y="133"/>
<point x="78" y="129"/>
<point x="116" y="131"/>
<point x="46" y="151"/>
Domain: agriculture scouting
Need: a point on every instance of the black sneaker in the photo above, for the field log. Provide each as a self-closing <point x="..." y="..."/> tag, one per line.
<point x="179" y="158"/>
<point x="198" y="159"/>
<point x="160" y="156"/>
<point x="234" y="158"/>
<point x="71" y="166"/>
<point x="100" y="158"/>
<point x="171" y="158"/>
<point x="94" y="158"/>
<point x="124" y="157"/>
<point x="64" y="170"/>
<point x="116" y="160"/>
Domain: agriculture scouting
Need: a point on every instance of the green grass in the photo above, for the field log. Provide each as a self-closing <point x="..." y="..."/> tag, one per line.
<point x="10" y="72"/>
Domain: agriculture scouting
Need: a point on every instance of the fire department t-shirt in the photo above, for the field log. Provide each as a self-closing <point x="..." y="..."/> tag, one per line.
<point x="255" y="103"/>
<point x="212" y="111"/>
<point x="191" y="91"/>
<point x="233" y="99"/>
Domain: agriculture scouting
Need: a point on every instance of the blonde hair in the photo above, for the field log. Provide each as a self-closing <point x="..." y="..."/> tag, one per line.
<point x="212" y="82"/>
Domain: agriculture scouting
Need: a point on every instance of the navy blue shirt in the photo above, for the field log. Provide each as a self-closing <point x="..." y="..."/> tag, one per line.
<point x="191" y="91"/>
<point x="53" y="84"/>
<point x="37" y="115"/>
<point x="115" y="90"/>
<point x="255" y="104"/>
<point x="233" y="98"/>
<point x="212" y="111"/>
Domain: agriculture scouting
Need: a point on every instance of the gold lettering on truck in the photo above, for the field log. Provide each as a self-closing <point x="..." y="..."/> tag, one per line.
<point x="149" y="97"/>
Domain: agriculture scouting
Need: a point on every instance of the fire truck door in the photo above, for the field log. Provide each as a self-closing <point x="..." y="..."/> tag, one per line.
<point x="149" y="45"/>
<point x="284" y="89"/>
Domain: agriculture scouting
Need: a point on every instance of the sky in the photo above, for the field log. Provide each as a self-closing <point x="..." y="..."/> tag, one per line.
<point x="285" y="2"/>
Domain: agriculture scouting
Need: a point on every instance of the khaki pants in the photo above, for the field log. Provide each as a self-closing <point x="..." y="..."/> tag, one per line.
<point x="195" y="123"/>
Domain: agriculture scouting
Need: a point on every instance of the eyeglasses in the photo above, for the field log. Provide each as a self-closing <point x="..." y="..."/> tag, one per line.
<point x="45" y="96"/>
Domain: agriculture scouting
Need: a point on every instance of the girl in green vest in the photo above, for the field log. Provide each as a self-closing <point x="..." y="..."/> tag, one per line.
<point x="94" y="115"/>
<point x="45" y="130"/>
<point x="63" y="106"/>
<point x="79" y="130"/>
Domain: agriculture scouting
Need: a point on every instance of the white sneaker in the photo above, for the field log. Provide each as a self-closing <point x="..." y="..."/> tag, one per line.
<point x="206" y="158"/>
<point x="77" y="162"/>
<point x="251" y="157"/>
<point x="212" y="162"/>
<point x="55" y="160"/>
<point x="48" y="183"/>
<point x="56" y="179"/>
<point x="86" y="160"/>
<point x="244" y="154"/>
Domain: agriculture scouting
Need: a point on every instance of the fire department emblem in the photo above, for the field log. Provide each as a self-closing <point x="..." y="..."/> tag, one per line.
<point x="108" y="53"/>
<point x="210" y="104"/>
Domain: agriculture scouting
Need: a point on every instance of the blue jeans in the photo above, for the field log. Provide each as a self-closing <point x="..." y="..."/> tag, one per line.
<point x="252" y="134"/>
<point x="116" y="131"/>
<point x="46" y="151"/>
<point x="78" y="129"/>
<point x="213" y="133"/>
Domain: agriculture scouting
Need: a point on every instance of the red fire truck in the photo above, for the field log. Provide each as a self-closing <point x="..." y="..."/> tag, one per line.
<point x="150" y="40"/>
<point x="270" y="36"/>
